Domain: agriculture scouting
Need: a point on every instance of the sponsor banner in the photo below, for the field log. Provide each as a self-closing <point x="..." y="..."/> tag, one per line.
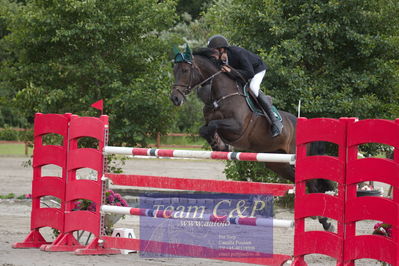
<point x="207" y="225"/>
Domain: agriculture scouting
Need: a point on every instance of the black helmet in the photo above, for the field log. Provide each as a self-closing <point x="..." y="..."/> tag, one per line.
<point x="217" y="41"/>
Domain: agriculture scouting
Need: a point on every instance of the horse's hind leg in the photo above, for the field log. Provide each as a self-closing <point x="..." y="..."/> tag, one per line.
<point x="286" y="171"/>
<point x="321" y="186"/>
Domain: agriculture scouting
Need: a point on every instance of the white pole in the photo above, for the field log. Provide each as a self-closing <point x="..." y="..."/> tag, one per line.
<point x="260" y="157"/>
<point x="115" y="209"/>
<point x="299" y="108"/>
<point x="117" y="150"/>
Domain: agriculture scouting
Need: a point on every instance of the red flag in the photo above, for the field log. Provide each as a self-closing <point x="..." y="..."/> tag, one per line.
<point x="98" y="105"/>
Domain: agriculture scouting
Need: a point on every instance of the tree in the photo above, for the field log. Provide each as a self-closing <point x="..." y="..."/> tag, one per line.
<point x="192" y="7"/>
<point x="72" y="53"/>
<point x="339" y="57"/>
<point x="9" y="115"/>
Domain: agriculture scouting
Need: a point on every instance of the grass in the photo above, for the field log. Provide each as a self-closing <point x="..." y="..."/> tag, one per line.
<point x="14" y="149"/>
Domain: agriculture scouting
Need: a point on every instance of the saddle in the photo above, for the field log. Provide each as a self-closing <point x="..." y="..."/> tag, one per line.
<point x="254" y="105"/>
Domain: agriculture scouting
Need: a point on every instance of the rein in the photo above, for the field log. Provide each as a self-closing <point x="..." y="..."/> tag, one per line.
<point x="206" y="80"/>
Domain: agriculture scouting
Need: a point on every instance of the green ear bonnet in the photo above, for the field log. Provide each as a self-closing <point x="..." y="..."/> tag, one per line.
<point x="180" y="57"/>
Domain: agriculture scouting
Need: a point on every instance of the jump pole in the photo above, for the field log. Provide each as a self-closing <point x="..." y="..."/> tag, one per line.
<point x="239" y="156"/>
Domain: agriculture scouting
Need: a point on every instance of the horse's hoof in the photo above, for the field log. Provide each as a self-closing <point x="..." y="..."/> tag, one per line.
<point x="331" y="228"/>
<point x="226" y="148"/>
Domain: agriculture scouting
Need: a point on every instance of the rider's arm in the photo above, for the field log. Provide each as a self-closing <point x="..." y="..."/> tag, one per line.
<point x="240" y="64"/>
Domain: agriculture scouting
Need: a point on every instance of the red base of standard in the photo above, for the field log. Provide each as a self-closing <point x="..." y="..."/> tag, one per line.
<point x="33" y="240"/>
<point x="64" y="242"/>
<point x="96" y="249"/>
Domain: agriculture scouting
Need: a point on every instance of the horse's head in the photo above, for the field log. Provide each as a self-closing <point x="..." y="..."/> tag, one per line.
<point x="183" y="72"/>
<point x="187" y="75"/>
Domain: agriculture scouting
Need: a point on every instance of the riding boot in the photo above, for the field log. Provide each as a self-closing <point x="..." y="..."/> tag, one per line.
<point x="277" y="126"/>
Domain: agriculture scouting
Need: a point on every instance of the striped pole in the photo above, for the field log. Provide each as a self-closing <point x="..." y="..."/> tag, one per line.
<point x="206" y="217"/>
<point x="218" y="155"/>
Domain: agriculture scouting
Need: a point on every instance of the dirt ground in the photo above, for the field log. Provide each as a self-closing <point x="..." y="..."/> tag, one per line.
<point x="15" y="218"/>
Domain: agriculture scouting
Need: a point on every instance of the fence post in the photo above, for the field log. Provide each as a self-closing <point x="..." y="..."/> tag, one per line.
<point x="47" y="185"/>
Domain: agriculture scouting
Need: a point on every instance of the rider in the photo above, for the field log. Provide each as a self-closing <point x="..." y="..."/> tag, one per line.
<point x="244" y="65"/>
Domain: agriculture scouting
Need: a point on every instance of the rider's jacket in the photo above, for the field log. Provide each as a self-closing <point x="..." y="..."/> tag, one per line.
<point x="245" y="62"/>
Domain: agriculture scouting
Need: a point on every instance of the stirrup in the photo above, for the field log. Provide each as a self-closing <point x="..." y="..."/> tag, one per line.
<point x="276" y="128"/>
<point x="275" y="131"/>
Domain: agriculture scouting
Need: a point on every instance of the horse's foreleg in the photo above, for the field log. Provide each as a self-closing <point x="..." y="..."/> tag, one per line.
<point x="213" y="139"/>
<point x="217" y="144"/>
<point x="209" y="132"/>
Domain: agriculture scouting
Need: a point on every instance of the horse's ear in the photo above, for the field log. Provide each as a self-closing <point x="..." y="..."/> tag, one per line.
<point x="187" y="54"/>
<point x="175" y="51"/>
<point x="182" y="57"/>
<point x="177" y="55"/>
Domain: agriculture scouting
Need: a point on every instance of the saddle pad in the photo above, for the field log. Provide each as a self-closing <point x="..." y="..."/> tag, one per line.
<point x="255" y="107"/>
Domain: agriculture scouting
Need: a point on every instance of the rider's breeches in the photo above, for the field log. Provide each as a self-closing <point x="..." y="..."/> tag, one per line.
<point x="256" y="81"/>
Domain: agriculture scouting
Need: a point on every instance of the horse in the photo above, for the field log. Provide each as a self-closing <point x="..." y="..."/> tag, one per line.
<point x="228" y="118"/>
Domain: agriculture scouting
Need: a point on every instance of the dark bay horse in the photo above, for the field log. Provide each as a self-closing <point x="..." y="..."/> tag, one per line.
<point x="228" y="119"/>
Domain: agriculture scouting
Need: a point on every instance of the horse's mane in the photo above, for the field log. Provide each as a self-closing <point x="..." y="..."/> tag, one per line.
<point x="207" y="53"/>
<point x="203" y="51"/>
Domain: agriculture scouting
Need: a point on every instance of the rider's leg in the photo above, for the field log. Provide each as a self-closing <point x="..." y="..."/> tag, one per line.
<point x="265" y="103"/>
<point x="254" y="85"/>
<point x="277" y="126"/>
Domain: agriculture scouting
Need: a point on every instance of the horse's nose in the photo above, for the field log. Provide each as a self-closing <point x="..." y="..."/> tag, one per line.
<point x="175" y="99"/>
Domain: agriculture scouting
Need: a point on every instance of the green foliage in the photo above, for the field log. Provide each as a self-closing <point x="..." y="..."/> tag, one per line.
<point x="251" y="171"/>
<point x="168" y="141"/>
<point x="115" y="164"/>
<point x="192" y="7"/>
<point x="12" y="134"/>
<point x="9" y="134"/>
<point x="142" y="113"/>
<point x="26" y="135"/>
<point x="53" y="139"/>
<point x="69" y="54"/>
<point x="257" y="172"/>
<point x="189" y="117"/>
<point x="8" y="196"/>
<point x="9" y="115"/>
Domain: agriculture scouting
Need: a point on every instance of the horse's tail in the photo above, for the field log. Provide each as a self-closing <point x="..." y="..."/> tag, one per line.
<point x="317" y="148"/>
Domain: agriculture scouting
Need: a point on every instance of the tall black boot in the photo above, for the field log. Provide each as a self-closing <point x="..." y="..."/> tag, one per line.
<point x="277" y="126"/>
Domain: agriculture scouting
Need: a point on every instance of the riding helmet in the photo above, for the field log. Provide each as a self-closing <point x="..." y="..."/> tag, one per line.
<point x="217" y="41"/>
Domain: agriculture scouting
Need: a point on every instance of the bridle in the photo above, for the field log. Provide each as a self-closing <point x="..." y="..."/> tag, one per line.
<point x="188" y="87"/>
